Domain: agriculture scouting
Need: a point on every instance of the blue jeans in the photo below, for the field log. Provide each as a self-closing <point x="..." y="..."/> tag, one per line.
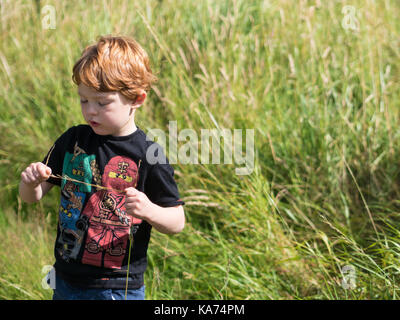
<point x="66" y="291"/>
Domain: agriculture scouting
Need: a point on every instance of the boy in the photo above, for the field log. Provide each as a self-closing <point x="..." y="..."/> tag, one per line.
<point x="111" y="195"/>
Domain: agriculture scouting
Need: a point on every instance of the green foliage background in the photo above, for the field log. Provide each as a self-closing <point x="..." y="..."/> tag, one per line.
<point x="322" y="99"/>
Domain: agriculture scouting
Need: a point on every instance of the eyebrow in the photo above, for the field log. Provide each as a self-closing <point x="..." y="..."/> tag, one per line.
<point x="99" y="95"/>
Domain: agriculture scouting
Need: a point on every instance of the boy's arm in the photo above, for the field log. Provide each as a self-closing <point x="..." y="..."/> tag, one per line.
<point x="33" y="185"/>
<point x="169" y="220"/>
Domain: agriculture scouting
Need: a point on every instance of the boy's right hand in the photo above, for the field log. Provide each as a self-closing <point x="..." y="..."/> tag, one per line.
<point x="35" y="174"/>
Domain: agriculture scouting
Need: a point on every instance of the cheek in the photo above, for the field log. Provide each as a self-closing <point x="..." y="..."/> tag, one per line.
<point x="108" y="117"/>
<point x="83" y="112"/>
<point x="119" y="117"/>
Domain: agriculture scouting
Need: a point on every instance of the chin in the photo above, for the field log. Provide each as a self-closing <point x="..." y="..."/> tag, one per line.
<point x="100" y="132"/>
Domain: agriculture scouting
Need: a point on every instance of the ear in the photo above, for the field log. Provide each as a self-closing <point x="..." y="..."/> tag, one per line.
<point x="140" y="99"/>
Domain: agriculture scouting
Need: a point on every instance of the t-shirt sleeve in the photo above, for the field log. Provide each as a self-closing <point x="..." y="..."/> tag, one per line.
<point x="160" y="186"/>
<point x="55" y="156"/>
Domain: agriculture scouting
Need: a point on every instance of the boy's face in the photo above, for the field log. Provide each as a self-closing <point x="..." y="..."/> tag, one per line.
<point x="108" y="113"/>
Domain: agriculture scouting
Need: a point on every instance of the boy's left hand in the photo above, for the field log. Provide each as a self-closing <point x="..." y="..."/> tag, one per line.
<point x="137" y="204"/>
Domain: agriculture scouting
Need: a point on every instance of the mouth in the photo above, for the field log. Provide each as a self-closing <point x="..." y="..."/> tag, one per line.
<point x="94" y="123"/>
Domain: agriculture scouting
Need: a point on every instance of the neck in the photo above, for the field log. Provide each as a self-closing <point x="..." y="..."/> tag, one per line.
<point x="128" y="128"/>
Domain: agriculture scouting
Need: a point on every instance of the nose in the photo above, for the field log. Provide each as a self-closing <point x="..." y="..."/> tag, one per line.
<point x="90" y="108"/>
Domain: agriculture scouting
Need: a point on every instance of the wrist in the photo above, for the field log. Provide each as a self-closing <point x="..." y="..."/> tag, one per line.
<point x="29" y="193"/>
<point x="31" y="185"/>
<point x="151" y="213"/>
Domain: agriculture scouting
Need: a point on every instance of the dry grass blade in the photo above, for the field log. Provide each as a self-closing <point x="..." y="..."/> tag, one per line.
<point x="64" y="176"/>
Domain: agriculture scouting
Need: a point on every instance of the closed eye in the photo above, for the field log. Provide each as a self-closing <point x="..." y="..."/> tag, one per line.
<point x="100" y="104"/>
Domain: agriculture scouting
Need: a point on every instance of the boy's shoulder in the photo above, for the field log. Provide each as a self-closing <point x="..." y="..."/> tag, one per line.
<point x="76" y="130"/>
<point x="138" y="139"/>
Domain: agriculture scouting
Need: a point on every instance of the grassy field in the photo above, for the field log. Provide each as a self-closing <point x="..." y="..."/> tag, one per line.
<point x="322" y="100"/>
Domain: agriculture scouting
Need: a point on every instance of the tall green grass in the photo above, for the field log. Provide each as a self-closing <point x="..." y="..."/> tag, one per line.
<point x="322" y="100"/>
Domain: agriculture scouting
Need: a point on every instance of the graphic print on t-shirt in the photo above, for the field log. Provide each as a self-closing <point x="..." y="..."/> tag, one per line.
<point x="109" y="224"/>
<point x="71" y="205"/>
<point x="77" y="166"/>
<point x="72" y="230"/>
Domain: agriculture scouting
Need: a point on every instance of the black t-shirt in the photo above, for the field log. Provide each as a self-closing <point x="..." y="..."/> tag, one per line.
<point x="92" y="244"/>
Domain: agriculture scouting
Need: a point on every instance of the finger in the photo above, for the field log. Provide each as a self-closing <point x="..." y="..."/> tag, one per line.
<point x="130" y="206"/>
<point x="45" y="169"/>
<point x="30" y="174"/>
<point x="130" y="200"/>
<point x="42" y="170"/>
<point x="36" y="174"/>
<point x="33" y="168"/>
<point x="28" y="177"/>
<point x="130" y="192"/>
<point x="28" y="170"/>
<point x="129" y="196"/>
<point x="48" y="171"/>
<point x="24" y="177"/>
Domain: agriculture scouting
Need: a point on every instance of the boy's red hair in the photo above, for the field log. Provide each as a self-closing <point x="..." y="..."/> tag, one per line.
<point x="114" y="64"/>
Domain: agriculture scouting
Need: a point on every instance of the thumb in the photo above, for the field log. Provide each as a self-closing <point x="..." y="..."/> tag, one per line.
<point x="43" y="171"/>
<point x="130" y="191"/>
